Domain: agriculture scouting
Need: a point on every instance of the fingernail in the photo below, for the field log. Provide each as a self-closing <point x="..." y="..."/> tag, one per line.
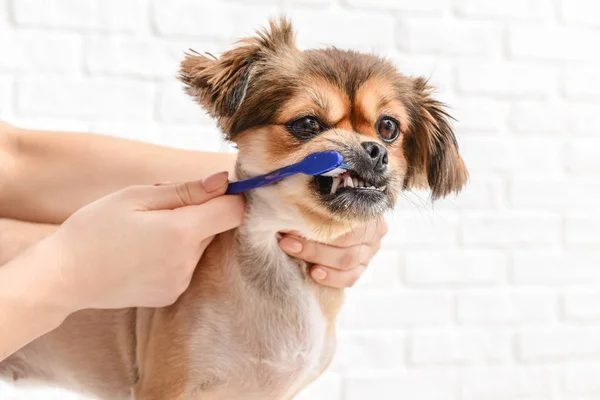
<point x="214" y="181"/>
<point x="319" y="274"/>
<point x="291" y="245"/>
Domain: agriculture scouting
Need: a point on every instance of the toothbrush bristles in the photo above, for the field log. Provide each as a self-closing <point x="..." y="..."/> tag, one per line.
<point x="335" y="172"/>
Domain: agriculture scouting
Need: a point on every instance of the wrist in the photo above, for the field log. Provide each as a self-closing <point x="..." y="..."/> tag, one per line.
<point x="57" y="287"/>
<point x="37" y="275"/>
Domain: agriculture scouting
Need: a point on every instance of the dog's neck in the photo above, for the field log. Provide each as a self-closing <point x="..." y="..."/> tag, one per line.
<point x="261" y="260"/>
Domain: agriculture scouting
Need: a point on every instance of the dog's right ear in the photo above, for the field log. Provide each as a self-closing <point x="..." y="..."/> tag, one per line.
<point x="220" y="84"/>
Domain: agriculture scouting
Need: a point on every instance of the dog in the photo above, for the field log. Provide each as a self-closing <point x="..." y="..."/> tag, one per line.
<point x="253" y="324"/>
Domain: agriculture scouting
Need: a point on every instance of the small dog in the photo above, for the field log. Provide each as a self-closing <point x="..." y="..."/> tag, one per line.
<point x="253" y="325"/>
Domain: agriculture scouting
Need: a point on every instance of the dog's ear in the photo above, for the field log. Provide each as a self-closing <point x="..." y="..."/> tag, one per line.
<point x="220" y="84"/>
<point x="431" y="148"/>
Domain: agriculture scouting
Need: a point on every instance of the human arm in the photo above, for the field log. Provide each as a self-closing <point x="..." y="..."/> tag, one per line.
<point x="46" y="176"/>
<point x="135" y="248"/>
<point x="16" y="236"/>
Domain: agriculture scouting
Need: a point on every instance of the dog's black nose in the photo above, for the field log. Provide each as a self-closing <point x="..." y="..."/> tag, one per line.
<point x="378" y="155"/>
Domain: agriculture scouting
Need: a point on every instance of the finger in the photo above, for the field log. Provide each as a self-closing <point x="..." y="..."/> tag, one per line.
<point x="172" y="196"/>
<point x="204" y="244"/>
<point x="215" y="216"/>
<point x="336" y="278"/>
<point x="370" y="232"/>
<point x="343" y="258"/>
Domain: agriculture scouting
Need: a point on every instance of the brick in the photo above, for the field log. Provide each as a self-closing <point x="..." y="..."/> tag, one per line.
<point x="327" y="387"/>
<point x="394" y="310"/>
<point x="449" y="346"/>
<point x="49" y="123"/>
<point x="40" y="51"/>
<point x="104" y="15"/>
<point x="581" y="303"/>
<point x="563" y="43"/>
<point x="541" y="192"/>
<point x="435" y="69"/>
<point x="536" y="344"/>
<point x="506" y="78"/>
<point x="93" y="98"/>
<point x="428" y="385"/>
<point x="506" y="306"/>
<point x="528" y="156"/>
<point x="311" y="3"/>
<point x="582" y="229"/>
<point x="581" y="83"/>
<point x="479" y="114"/>
<point x="370" y="350"/>
<point x="584" y="118"/>
<point x="137" y="57"/>
<point x="208" y="19"/>
<point x="487" y="153"/>
<point x="6" y="90"/>
<point x="383" y="271"/>
<point x="452" y="38"/>
<point x="144" y="131"/>
<point x="511" y="382"/>
<point x="176" y="106"/>
<point x="509" y="9"/>
<point x="582" y="378"/>
<point x="458" y="267"/>
<point x="4" y="12"/>
<point x="538" y="117"/>
<point x="358" y="31"/>
<point x="415" y="229"/>
<point x="580" y="12"/>
<point x="514" y="228"/>
<point x="430" y="6"/>
<point x="537" y="267"/>
<point x="482" y="191"/>
<point x="192" y="137"/>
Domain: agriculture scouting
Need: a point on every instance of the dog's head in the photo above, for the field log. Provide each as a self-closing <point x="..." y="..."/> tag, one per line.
<point x="279" y="104"/>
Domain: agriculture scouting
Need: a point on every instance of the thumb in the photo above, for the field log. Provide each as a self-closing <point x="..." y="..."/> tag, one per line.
<point x="215" y="216"/>
<point x="177" y="195"/>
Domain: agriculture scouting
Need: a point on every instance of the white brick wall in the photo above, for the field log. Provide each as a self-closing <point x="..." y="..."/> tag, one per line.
<point x="491" y="295"/>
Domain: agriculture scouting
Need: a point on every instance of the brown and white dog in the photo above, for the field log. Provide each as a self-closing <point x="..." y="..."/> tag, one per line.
<point x="253" y="325"/>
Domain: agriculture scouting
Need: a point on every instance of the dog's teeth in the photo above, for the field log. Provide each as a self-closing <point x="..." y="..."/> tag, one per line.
<point x="349" y="182"/>
<point x="361" y="183"/>
<point x="371" y="187"/>
<point x="335" y="184"/>
<point x="382" y="188"/>
<point x="355" y="182"/>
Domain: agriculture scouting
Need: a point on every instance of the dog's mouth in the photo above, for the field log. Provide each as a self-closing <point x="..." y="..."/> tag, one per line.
<point x="347" y="181"/>
<point x="354" y="195"/>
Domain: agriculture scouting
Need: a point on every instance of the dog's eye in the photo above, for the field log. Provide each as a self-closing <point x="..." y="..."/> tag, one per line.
<point x="388" y="129"/>
<point x="305" y="127"/>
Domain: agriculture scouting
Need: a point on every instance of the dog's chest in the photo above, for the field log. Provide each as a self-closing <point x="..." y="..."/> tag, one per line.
<point x="265" y="349"/>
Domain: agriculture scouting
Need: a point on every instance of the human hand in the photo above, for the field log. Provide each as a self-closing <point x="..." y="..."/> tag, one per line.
<point x="340" y="263"/>
<point x="139" y="246"/>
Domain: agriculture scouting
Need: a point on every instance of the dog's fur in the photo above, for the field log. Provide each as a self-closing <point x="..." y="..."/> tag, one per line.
<point x="252" y="324"/>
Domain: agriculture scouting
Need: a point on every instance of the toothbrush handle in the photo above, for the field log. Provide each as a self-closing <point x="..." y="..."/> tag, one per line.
<point x="259" y="181"/>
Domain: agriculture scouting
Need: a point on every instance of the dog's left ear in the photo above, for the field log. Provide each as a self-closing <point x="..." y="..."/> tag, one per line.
<point x="431" y="148"/>
<point x="220" y="84"/>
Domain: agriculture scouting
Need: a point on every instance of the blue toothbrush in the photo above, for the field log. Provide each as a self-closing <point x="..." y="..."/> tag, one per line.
<point x="328" y="163"/>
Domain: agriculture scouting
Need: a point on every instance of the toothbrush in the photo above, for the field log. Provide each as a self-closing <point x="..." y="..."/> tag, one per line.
<point x="328" y="163"/>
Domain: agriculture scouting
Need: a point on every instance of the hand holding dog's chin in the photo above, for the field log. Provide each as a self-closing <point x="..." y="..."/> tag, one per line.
<point x="137" y="247"/>
<point x="341" y="263"/>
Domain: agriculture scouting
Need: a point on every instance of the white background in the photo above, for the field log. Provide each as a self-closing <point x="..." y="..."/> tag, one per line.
<point x="492" y="295"/>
